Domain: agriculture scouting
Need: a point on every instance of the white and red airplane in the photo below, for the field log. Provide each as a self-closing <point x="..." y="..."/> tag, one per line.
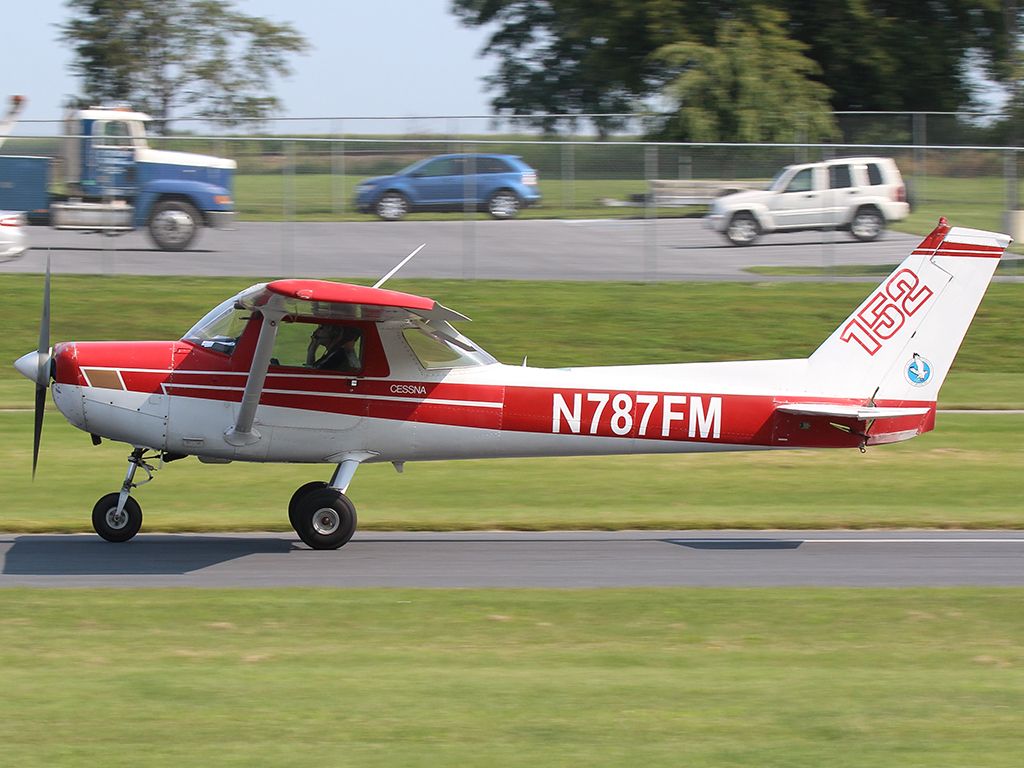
<point x="325" y="372"/>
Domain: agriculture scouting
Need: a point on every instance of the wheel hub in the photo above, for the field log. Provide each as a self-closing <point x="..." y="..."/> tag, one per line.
<point x="116" y="520"/>
<point x="326" y="521"/>
<point x="175" y="225"/>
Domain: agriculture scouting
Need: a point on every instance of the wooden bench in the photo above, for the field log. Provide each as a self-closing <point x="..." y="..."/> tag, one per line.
<point x="696" y="191"/>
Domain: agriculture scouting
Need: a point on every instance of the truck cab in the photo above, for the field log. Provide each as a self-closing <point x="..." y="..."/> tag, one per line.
<point x="113" y="181"/>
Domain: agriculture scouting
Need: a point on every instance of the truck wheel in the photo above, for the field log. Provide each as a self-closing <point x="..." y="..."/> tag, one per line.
<point x="868" y="223"/>
<point x="174" y="225"/>
<point x="743" y="229"/>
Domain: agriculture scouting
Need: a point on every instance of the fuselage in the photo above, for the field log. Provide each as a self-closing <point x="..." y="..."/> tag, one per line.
<point x="181" y="397"/>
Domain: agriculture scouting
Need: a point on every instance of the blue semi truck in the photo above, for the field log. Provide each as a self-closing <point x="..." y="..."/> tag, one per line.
<point x="110" y="180"/>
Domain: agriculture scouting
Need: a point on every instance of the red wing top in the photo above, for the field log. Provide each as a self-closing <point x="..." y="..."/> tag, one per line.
<point x="322" y="299"/>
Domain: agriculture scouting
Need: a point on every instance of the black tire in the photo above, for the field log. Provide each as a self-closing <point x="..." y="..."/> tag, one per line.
<point x="504" y="204"/>
<point x="743" y="229"/>
<point x="867" y="224"/>
<point x="325" y="519"/>
<point x="111" y="527"/>
<point x="174" y="224"/>
<point x="391" y="206"/>
<point x="314" y="485"/>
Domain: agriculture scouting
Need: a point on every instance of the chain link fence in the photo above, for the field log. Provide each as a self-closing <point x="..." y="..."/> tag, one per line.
<point x="311" y="172"/>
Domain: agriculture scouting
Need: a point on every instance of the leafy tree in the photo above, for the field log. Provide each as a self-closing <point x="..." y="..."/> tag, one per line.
<point x="167" y="56"/>
<point x="724" y="94"/>
<point x="577" y="56"/>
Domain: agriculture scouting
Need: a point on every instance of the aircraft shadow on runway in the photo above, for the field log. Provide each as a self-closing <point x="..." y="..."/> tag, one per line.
<point x="723" y="543"/>
<point x="145" y="556"/>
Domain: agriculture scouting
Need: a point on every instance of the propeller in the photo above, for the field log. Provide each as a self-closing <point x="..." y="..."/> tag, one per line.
<point x="42" y="368"/>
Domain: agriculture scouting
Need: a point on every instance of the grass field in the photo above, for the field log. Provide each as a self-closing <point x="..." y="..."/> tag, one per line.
<point x="793" y="678"/>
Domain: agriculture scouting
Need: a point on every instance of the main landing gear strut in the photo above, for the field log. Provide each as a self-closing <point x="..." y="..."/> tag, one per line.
<point x="320" y="512"/>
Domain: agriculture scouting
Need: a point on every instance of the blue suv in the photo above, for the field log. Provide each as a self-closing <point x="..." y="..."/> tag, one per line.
<point x="498" y="184"/>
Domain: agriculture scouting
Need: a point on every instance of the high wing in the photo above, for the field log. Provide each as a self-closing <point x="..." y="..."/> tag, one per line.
<point x="325" y="300"/>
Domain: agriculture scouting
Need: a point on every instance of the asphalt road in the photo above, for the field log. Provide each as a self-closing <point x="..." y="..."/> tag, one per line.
<point x="564" y="559"/>
<point x="613" y="249"/>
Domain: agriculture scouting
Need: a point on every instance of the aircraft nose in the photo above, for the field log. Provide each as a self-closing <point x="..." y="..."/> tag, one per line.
<point x="28" y="366"/>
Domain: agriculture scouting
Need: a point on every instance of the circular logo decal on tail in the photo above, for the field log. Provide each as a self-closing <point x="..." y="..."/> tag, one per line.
<point x="919" y="371"/>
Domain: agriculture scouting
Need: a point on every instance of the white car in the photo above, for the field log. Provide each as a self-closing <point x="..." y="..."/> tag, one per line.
<point x="12" y="235"/>
<point x="858" y="194"/>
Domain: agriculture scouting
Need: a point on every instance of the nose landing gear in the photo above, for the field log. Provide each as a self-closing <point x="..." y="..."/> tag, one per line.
<point x="117" y="517"/>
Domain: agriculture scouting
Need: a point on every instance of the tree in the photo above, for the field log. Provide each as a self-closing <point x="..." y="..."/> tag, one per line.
<point x="586" y="55"/>
<point x="167" y="56"/>
<point x="570" y="56"/>
<point x="723" y="94"/>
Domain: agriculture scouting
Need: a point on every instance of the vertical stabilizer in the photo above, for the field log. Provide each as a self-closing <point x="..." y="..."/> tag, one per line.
<point x="900" y="342"/>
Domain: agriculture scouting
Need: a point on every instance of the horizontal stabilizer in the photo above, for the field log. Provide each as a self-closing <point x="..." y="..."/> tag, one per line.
<point x="859" y="412"/>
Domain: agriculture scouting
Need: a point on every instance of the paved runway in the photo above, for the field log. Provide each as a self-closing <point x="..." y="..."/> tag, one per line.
<point x="537" y="249"/>
<point x="492" y="559"/>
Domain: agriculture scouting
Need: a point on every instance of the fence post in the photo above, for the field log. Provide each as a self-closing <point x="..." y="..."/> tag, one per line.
<point x="469" y="214"/>
<point x="337" y="169"/>
<point x="650" y="214"/>
<point x="288" y="209"/>
<point x="920" y="137"/>
<point x="568" y="175"/>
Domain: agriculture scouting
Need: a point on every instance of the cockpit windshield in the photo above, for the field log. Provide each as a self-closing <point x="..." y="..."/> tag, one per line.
<point x="435" y="350"/>
<point x="220" y="328"/>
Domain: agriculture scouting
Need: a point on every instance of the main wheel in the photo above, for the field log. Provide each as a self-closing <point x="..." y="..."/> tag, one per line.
<point x="868" y="223"/>
<point x="392" y="206"/>
<point x="325" y="518"/>
<point x="504" y="204"/>
<point x="315" y="485"/>
<point x="174" y="225"/>
<point x="743" y="229"/>
<point x="113" y="526"/>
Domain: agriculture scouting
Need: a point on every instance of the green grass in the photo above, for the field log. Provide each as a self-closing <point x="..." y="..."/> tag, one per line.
<point x="768" y="678"/>
<point x="965" y="474"/>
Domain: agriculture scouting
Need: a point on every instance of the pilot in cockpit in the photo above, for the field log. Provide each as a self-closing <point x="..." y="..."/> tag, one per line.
<point x="340" y="348"/>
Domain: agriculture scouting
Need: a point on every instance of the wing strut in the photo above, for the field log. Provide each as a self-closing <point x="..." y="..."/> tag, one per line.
<point x="242" y="432"/>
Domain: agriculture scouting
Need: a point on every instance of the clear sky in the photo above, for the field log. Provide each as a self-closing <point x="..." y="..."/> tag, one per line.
<point x="405" y="58"/>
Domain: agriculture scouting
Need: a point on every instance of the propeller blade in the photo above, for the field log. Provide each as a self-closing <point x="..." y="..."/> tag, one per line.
<point x="38" y="430"/>
<point x="43" y="369"/>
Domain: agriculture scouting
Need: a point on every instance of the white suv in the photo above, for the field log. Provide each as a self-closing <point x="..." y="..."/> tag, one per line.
<point x="859" y="194"/>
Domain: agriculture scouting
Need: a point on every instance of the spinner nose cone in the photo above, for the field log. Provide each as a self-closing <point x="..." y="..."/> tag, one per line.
<point x="28" y="366"/>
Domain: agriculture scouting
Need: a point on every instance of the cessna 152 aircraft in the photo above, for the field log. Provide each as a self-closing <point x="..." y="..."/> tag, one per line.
<point x="316" y="371"/>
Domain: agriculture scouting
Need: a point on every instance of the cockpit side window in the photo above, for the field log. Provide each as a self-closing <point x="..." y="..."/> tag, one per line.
<point x="327" y="347"/>
<point x="435" y="351"/>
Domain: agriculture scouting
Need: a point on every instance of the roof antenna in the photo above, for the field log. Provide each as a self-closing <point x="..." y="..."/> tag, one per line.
<point x="400" y="264"/>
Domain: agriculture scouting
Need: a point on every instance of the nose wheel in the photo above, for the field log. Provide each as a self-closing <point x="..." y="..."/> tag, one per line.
<point x="114" y="524"/>
<point x="117" y="517"/>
